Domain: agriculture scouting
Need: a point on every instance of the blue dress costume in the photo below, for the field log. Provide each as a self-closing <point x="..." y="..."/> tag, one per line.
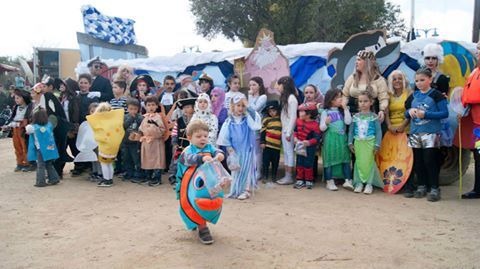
<point x="197" y="206"/>
<point x="240" y="134"/>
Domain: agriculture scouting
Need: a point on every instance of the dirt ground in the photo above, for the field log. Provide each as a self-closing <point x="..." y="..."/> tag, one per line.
<point x="77" y="225"/>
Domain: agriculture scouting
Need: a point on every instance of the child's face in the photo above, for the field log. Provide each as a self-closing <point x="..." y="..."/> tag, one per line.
<point x="272" y="112"/>
<point x="151" y="107"/>
<point x="234" y="85"/>
<point x="431" y="62"/>
<point x="142" y="86"/>
<point x="92" y="110"/>
<point x="239" y="109"/>
<point x="202" y="104"/>
<point x="423" y="82"/>
<point x="117" y="91"/>
<point x="19" y="100"/>
<point x="309" y="93"/>
<point x="279" y="87"/>
<point x="303" y="115"/>
<point x="132" y="110"/>
<point x="254" y="87"/>
<point x="199" y="138"/>
<point x="337" y="102"/>
<point x="188" y="110"/>
<point x="204" y="85"/>
<point x="214" y="97"/>
<point x="364" y="103"/>
<point x="84" y="85"/>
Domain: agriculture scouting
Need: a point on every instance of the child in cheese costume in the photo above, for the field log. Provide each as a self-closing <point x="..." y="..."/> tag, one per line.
<point x="107" y="126"/>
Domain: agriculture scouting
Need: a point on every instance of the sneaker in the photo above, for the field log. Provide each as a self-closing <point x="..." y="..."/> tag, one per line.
<point x="420" y="192"/>
<point x="408" y="193"/>
<point x="309" y="184"/>
<point x="471" y="195"/>
<point x="299" y="184"/>
<point x="434" y="195"/>
<point x="358" y="188"/>
<point x="18" y="168"/>
<point x="348" y="184"/>
<point x="76" y="172"/>
<point x="331" y="185"/>
<point x="105" y="183"/>
<point x="245" y="195"/>
<point x="126" y="177"/>
<point x="154" y="182"/>
<point x="205" y="236"/>
<point x="139" y="180"/>
<point x="172" y="180"/>
<point x="286" y="180"/>
<point x="40" y="185"/>
<point x="93" y="177"/>
<point x="52" y="183"/>
<point x="368" y="189"/>
<point x="27" y="169"/>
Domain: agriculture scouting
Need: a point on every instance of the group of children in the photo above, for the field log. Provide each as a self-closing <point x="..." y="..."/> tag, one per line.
<point x="245" y="128"/>
<point x="240" y="131"/>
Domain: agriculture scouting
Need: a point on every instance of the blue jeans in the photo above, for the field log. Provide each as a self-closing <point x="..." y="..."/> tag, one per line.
<point x="347" y="172"/>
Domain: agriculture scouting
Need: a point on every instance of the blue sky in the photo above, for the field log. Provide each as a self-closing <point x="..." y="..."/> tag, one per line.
<point x="165" y="27"/>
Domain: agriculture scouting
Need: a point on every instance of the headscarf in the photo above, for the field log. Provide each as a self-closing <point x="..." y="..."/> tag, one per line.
<point x="208" y="117"/>
<point x="208" y="110"/>
<point x="219" y="103"/>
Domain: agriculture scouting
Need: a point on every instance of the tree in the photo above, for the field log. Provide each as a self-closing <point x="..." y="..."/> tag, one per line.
<point x="295" y="21"/>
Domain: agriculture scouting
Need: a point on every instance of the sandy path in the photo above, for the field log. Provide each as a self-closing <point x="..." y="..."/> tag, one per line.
<point x="77" y="225"/>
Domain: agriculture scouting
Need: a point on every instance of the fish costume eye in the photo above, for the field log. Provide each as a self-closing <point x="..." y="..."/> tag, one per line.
<point x="199" y="183"/>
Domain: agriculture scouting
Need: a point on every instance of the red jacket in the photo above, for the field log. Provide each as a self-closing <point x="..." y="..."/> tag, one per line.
<point x="307" y="130"/>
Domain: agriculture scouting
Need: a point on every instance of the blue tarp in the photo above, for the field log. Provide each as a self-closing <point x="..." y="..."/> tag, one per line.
<point x="303" y="68"/>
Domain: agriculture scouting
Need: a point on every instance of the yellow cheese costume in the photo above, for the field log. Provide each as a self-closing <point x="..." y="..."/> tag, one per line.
<point x="108" y="133"/>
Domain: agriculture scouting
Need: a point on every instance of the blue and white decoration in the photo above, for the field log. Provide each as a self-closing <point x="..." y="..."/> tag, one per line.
<point x="308" y="62"/>
<point x="115" y="30"/>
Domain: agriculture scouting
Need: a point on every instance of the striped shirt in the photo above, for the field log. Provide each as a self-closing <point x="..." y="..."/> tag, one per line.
<point x="271" y="132"/>
<point x="120" y="103"/>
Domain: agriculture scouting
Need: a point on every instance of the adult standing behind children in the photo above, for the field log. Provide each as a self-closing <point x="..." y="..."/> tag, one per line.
<point x="99" y="83"/>
<point x="366" y="78"/>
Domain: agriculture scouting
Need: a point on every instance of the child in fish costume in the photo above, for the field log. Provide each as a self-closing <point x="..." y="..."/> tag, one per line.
<point x="199" y="181"/>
